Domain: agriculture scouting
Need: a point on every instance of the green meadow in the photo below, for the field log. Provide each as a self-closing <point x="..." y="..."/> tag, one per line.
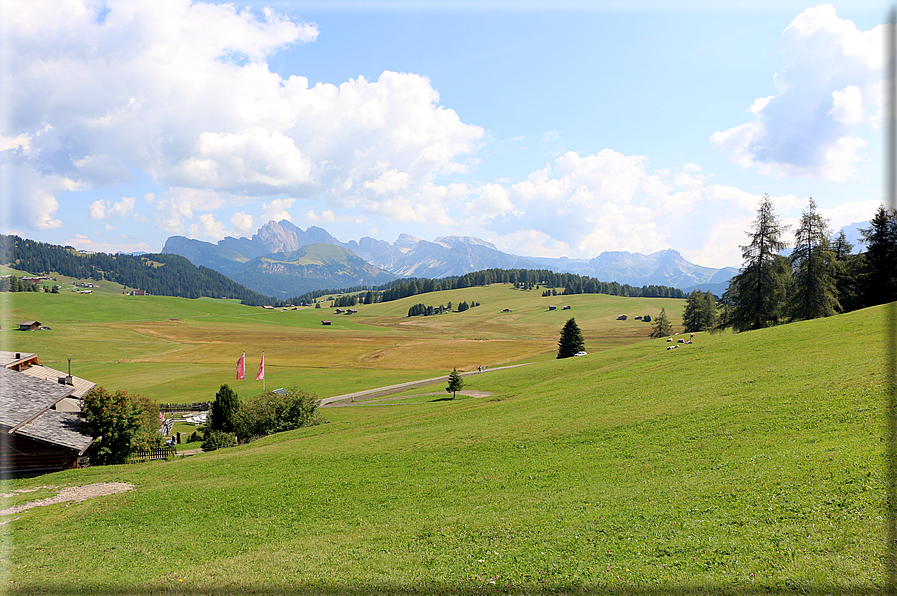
<point x="741" y="464"/>
<point x="177" y="350"/>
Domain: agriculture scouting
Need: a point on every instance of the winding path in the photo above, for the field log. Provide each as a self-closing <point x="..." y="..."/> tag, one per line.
<point x="390" y="389"/>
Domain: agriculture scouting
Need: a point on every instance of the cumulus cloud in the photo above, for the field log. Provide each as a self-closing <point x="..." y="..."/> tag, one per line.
<point x="207" y="227"/>
<point x="828" y="88"/>
<point x="180" y="204"/>
<point x="242" y="223"/>
<point x="276" y="210"/>
<point x="101" y="209"/>
<point x="82" y="242"/>
<point x="182" y="92"/>
<point x="584" y="205"/>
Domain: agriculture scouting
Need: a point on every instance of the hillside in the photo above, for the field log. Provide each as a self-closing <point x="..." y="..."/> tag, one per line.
<point x="311" y="267"/>
<point x="740" y="464"/>
<point x="161" y="274"/>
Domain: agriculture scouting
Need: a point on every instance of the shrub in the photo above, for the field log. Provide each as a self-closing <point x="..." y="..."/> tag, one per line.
<point x="216" y="439"/>
<point x="273" y="412"/>
<point x="223" y="413"/>
<point x="120" y="423"/>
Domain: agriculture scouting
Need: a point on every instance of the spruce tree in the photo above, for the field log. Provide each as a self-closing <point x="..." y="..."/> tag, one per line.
<point x="757" y="294"/>
<point x="815" y="294"/>
<point x="455" y="382"/>
<point x="662" y="326"/>
<point x="571" y="340"/>
<point x="880" y="271"/>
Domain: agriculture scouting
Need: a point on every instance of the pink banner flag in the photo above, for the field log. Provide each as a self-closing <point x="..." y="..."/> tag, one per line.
<point x="261" y="374"/>
<point x="240" y="366"/>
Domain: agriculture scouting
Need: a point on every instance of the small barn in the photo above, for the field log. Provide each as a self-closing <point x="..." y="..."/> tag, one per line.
<point x="29" y="325"/>
<point x="552" y="307"/>
<point x="325" y="322"/>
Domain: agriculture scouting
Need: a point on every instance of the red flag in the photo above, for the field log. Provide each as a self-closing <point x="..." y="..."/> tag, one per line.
<point x="240" y="366"/>
<point x="261" y="374"/>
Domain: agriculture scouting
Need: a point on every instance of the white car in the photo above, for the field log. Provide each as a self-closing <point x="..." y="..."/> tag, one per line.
<point x="581" y="354"/>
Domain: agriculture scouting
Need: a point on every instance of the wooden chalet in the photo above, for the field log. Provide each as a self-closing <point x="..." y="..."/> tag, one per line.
<point x="29" y="325"/>
<point x="35" y="438"/>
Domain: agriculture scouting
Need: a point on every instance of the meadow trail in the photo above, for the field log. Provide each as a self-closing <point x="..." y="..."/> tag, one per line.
<point x="390" y="389"/>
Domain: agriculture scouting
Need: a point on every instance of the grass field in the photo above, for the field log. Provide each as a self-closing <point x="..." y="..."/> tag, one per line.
<point x="179" y="350"/>
<point x="748" y="463"/>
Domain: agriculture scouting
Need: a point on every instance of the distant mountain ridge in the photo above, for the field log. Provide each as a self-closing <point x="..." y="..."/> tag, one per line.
<point x="408" y="256"/>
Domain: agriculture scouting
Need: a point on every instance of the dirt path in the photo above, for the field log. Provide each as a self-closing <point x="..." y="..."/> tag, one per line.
<point x="71" y="493"/>
<point x="389" y="390"/>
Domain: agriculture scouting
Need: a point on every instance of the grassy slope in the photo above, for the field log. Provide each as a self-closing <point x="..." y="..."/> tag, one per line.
<point x="742" y="462"/>
<point x="177" y="350"/>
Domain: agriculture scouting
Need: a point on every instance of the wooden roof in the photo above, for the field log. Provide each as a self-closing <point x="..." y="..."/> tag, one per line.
<point x="23" y="398"/>
<point x="8" y="359"/>
<point x="40" y="371"/>
<point x="59" y="428"/>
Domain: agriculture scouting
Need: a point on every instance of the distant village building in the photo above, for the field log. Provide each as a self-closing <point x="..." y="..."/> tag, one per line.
<point x="325" y="322"/>
<point x="552" y="307"/>
<point x="29" y="325"/>
<point x="567" y="307"/>
<point x="137" y="293"/>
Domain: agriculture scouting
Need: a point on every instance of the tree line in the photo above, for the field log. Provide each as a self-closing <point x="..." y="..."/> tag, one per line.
<point x="525" y="279"/>
<point x="820" y="277"/>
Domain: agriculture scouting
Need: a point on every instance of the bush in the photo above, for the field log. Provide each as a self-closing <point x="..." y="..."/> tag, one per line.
<point x="216" y="439"/>
<point x="271" y="412"/>
<point x="120" y="423"/>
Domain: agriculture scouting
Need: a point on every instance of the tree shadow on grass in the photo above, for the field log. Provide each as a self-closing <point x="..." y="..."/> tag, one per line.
<point x="442" y="399"/>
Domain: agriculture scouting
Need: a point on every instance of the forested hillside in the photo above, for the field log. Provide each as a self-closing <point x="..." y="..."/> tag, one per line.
<point x="160" y="274"/>
<point x="526" y="279"/>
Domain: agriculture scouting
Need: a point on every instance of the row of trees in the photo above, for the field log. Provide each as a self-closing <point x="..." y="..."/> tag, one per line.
<point x="821" y="277"/>
<point x="571" y="283"/>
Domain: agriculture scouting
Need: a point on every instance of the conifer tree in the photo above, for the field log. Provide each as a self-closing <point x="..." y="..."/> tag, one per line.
<point x="757" y="294"/>
<point x="455" y="382"/>
<point x="661" y="325"/>
<point x="571" y="340"/>
<point x="815" y="294"/>
<point x="223" y="415"/>
<point x="880" y="271"/>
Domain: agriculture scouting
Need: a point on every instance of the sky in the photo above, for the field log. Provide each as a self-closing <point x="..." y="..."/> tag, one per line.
<point x="549" y="129"/>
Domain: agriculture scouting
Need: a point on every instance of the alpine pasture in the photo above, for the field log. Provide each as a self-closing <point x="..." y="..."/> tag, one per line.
<point x="749" y="463"/>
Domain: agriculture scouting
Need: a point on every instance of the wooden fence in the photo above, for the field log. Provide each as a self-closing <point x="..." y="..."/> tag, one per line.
<point x="201" y="406"/>
<point x="163" y="453"/>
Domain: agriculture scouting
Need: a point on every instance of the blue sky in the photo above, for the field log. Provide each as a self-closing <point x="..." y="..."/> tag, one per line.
<point x="548" y="129"/>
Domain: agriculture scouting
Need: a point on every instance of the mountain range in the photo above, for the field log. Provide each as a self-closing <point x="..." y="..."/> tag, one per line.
<point x="283" y="260"/>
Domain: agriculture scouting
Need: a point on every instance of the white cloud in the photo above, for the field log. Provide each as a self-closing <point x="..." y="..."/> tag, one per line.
<point x="207" y="227"/>
<point x="585" y="205"/>
<point x="84" y="243"/>
<point x="181" y="91"/>
<point x="276" y="210"/>
<point x="242" y="223"/>
<point x="101" y="209"/>
<point x="180" y="204"/>
<point x="830" y="82"/>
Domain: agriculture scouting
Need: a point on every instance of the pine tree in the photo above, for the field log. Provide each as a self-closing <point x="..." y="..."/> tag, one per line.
<point x="571" y="340"/>
<point x="455" y="382"/>
<point x="757" y="294"/>
<point x="815" y="294"/>
<point x="880" y="271"/>
<point x="700" y="311"/>
<point x="662" y="326"/>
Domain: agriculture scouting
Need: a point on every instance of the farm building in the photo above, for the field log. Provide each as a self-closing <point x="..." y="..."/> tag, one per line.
<point x="29" y="325"/>
<point x="552" y="307"/>
<point x="325" y="322"/>
<point x="137" y="293"/>
<point x="35" y="438"/>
